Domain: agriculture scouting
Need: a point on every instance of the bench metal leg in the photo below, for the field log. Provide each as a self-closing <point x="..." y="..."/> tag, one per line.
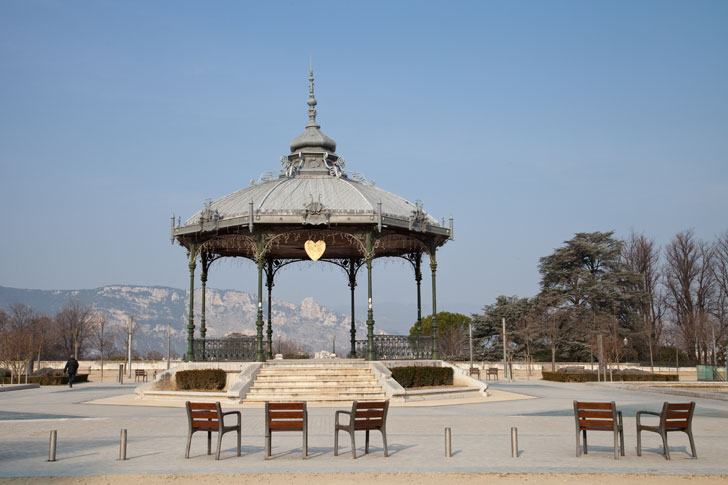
<point x="692" y="443"/>
<point x="209" y="443"/>
<point x="384" y="439"/>
<point x="219" y="444"/>
<point x="585" y="448"/>
<point x="663" y="435"/>
<point x="189" y="442"/>
<point x="366" y="443"/>
<point x="639" y="442"/>
<point x="353" y="444"/>
<point x="239" y="431"/>
<point x="336" y="442"/>
<point x="267" y="443"/>
<point x="305" y="442"/>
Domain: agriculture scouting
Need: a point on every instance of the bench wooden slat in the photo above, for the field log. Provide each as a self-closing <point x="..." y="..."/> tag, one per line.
<point x="285" y="425"/>
<point x="595" y="414"/>
<point x="370" y="414"/>
<point x="596" y="423"/>
<point x="204" y="415"/>
<point x="205" y="424"/>
<point x="676" y="426"/>
<point x="275" y="406"/>
<point x="285" y="415"/>
<point x="679" y="406"/>
<point x="593" y="405"/>
<point x="370" y="405"/>
<point x="672" y="415"/>
<point x="202" y="405"/>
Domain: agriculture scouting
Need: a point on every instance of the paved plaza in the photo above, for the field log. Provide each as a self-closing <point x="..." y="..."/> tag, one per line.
<point x="88" y="436"/>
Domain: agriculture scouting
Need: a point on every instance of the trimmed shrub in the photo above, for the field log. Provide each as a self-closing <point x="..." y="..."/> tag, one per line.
<point x="4" y="372"/>
<point x="591" y="376"/>
<point x="201" y="379"/>
<point x="48" y="380"/>
<point x="296" y="356"/>
<point x="47" y="371"/>
<point x="419" y="376"/>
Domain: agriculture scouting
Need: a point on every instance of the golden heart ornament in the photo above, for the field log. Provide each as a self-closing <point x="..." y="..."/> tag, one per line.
<point x="315" y="249"/>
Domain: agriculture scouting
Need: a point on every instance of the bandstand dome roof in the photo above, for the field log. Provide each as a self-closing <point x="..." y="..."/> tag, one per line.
<point x="312" y="189"/>
<point x="289" y="196"/>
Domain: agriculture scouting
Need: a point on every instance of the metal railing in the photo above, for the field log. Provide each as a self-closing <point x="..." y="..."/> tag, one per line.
<point x="394" y="347"/>
<point x="240" y="349"/>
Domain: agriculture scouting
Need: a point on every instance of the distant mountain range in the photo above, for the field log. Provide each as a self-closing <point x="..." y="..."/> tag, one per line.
<point x="308" y="324"/>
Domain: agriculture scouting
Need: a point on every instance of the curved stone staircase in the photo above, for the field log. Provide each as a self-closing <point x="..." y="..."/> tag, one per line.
<point x="330" y="381"/>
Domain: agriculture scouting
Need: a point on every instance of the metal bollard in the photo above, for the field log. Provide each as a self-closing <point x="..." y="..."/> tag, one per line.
<point x="514" y="442"/>
<point x="122" y="445"/>
<point x="52" y="448"/>
<point x="120" y="379"/>
<point x="448" y="443"/>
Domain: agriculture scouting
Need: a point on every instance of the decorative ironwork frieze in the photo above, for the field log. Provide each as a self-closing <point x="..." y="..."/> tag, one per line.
<point x="397" y="347"/>
<point x="230" y="349"/>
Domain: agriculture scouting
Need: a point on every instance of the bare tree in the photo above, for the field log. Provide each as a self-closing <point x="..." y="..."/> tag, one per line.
<point x="74" y="326"/>
<point x="720" y="275"/>
<point x="102" y="336"/>
<point x="689" y="280"/>
<point x="17" y="337"/>
<point x="558" y="325"/>
<point x="43" y="330"/>
<point x="453" y="340"/>
<point x="641" y="256"/>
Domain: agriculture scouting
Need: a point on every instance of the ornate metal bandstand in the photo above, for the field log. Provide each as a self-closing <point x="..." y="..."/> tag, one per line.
<point x="311" y="210"/>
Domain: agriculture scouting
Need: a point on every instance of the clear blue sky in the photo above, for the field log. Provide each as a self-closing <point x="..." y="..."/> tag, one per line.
<point x="528" y="121"/>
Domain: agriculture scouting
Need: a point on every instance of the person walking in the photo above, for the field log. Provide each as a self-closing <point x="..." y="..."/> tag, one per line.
<point x="71" y="368"/>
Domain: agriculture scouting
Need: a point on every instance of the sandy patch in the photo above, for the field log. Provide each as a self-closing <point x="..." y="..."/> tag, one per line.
<point x="368" y="478"/>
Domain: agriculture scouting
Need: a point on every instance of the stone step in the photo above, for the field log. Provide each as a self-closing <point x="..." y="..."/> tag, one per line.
<point x="316" y="378"/>
<point x="316" y="397"/>
<point x="323" y="389"/>
<point x="311" y="372"/>
<point x="317" y="383"/>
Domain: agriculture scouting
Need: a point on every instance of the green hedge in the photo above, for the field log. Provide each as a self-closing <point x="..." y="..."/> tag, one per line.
<point x="201" y="379"/>
<point x="616" y="376"/>
<point x="296" y="356"/>
<point x="419" y="376"/>
<point x="47" y="380"/>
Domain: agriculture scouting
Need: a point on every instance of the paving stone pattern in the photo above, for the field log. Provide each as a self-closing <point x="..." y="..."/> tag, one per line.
<point x="88" y="436"/>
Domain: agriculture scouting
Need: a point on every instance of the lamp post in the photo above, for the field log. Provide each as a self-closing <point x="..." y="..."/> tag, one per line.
<point x="279" y="343"/>
<point x="470" y="330"/>
<point x="333" y="350"/>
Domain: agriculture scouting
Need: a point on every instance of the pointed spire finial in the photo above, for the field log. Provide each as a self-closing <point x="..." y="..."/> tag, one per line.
<point x="311" y="98"/>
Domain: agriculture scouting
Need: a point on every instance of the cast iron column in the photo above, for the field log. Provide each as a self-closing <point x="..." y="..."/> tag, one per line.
<point x="269" y="282"/>
<point x="191" y="321"/>
<point x="371" y="354"/>
<point x="259" y="354"/>
<point x="418" y="280"/>
<point x="203" y="329"/>
<point x="352" y="285"/>
<point x="435" y="344"/>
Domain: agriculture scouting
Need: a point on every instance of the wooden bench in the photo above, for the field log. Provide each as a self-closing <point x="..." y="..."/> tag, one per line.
<point x="475" y="371"/>
<point x="285" y="416"/>
<point x="207" y="416"/>
<point x="599" y="416"/>
<point x="140" y="373"/>
<point x="673" y="417"/>
<point x="364" y="416"/>
<point x="492" y="371"/>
